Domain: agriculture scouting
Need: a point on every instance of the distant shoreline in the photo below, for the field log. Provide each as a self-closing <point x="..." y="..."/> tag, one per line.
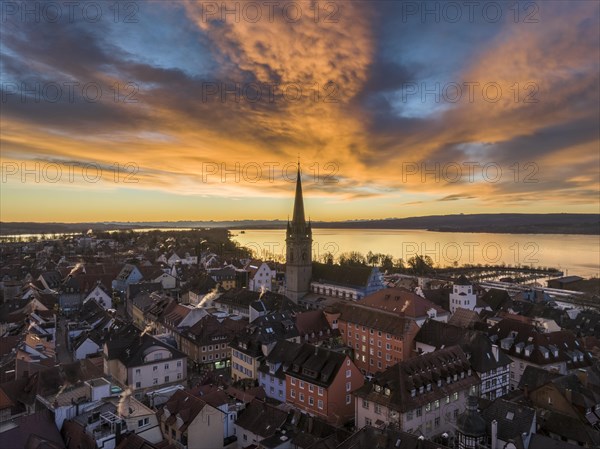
<point x="568" y="224"/>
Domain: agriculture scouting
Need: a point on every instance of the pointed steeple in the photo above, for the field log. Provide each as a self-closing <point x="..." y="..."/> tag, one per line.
<point x="298" y="219"/>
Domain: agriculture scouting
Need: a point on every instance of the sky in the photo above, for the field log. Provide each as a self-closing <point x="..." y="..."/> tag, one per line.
<point x="157" y="110"/>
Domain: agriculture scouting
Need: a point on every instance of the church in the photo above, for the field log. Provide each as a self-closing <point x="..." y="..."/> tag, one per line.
<point x="298" y="239"/>
<point x="308" y="282"/>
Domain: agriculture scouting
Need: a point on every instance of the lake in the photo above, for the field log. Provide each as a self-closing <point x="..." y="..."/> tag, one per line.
<point x="573" y="254"/>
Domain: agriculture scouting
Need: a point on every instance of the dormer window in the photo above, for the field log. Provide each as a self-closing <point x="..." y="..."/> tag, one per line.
<point x="413" y="392"/>
<point x="439" y="382"/>
<point x="387" y="391"/>
<point x="421" y="389"/>
<point x="378" y="388"/>
<point x="428" y="387"/>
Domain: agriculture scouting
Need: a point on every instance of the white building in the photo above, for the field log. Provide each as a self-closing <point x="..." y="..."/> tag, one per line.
<point x="260" y="275"/>
<point x="463" y="295"/>
<point x="101" y="296"/>
<point x="143" y="362"/>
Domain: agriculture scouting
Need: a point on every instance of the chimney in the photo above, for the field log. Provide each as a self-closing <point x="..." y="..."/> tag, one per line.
<point x="494" y="434"/>
<point x="569" y="395"/>
<point x="495" y="352"/>
<point x="583" y="376"/>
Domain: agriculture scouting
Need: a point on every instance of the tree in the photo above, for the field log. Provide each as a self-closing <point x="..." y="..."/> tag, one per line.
<point x="328" y="258"/>
<point x="353" y="258"/>
<point x="420" y="264"/>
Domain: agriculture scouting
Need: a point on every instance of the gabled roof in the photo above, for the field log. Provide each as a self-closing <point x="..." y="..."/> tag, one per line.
<point x="210" y="329"/>
<point x="464" y="318"/>
<point x="243" y="298"/>
<point x="35" y="431"/>
<point x="261" y="418"/>
<point x="513" y="419"/>
<point x="497" y="299"/>
<point x="476" y="343"/>
<point x="524" y="341"/>
<point x="401" y="379"/>
<point x="316" y="365"/>
<point x="371" y="317"/>
<point x="346" y="276"/>
<point x="130" y="347"/>
<point x="184" y="405"/>
<point x="401" y="302"/>
<point x="388" y="438"/>
<point x="311" y="321"/>
<point x="568" y="427"/>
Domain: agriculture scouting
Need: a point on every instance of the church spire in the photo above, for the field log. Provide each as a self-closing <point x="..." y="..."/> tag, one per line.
<point x="298" y="219"/>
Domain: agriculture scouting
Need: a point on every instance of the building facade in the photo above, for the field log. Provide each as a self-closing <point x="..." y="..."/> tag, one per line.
<point x="423" y="395"/>
<point x="378" y="338"/>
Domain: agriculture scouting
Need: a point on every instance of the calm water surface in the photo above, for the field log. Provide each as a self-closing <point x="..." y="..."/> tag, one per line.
<point x="573" y="254"/>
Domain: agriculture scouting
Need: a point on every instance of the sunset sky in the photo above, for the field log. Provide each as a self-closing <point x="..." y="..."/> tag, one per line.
<point x="348" y="87"/>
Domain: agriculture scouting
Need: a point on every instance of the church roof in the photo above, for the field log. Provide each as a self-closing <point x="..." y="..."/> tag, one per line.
<point x="298" y="217"/>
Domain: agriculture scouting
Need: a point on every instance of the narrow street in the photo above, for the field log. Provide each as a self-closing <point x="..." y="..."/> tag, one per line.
<point x="63" y="355"/>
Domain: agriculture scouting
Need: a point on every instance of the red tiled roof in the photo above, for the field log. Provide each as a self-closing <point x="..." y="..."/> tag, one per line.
<point x="402" y="302"/>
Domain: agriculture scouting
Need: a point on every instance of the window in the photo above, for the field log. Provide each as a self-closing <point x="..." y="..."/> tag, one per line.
<point x="138" y="372"/>
<point x="311" y="387"/>
<point x="178" y="363"/>
<point x="178" y="375"/>
<point x="409" y="415"/>
<point x="320" y="404"/>
<point x="155" y="368"/>
<point x="143" y="422"/>
<point x="138" y="385"/>
<point x="378" y="409"/>
<point x="455" y="396"/>
<point x="348" y="386"/>
<point x="437" y="422"/>
<point x="166" y="366"/>
<point x="320" y="391"/>
<point x="348" y="373"/>
<point x="348" y="399"/>
<point x="428" y="407"/>
<point x="311" y="400"/>
<point x="166" y="378"/>
<point x="154" y="381"/>
<point x="301" y="384"/>
<point x="436" y="404"/>
<point x="419" y="412"/>
<point x="368" y="421"/>
<point x="301" y="397"/>
<point x="293" y="381"/>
